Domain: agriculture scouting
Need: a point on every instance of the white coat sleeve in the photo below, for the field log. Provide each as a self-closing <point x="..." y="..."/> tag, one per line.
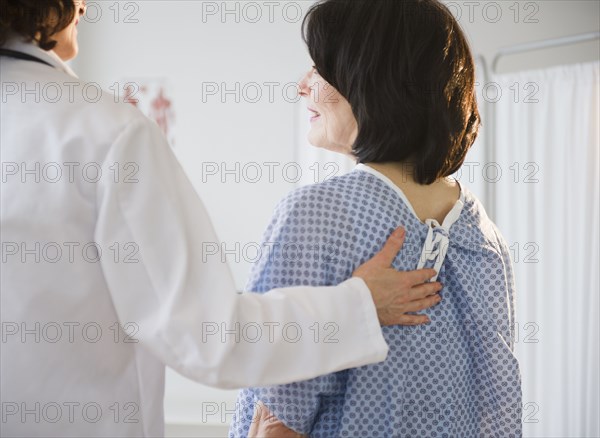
<point x="184" y="302"/>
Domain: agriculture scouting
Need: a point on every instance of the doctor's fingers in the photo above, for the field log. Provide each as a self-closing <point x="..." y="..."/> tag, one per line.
<point x="390" y="249"/>
<point x="422" y="304"/>
<point x="414" y="306"/>
<point x="413" y="320"/>
<point x="397" y="313"/>
<point x="423" y="290"/>
<point x="418" y="277"/>
<point x="266" y="425"/>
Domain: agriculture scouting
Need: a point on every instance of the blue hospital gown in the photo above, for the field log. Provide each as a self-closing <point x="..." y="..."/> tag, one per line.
<point x="454" y="377"/>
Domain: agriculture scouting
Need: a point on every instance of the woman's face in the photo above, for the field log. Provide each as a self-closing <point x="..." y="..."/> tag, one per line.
<point x="332" y="122"/>
<point x="66" y="40"/>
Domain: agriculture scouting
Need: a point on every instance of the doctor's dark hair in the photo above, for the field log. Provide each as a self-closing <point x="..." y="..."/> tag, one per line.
<point x="35" y="20"/>
<point x="407" y="71"/>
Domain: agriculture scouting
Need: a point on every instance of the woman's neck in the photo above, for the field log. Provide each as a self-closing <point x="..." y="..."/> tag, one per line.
<point x="429" y="201"/>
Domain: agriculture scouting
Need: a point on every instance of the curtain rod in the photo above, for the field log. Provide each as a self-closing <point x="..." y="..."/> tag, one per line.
<point x="556" y="42"/>
<point x="489" y="109"/>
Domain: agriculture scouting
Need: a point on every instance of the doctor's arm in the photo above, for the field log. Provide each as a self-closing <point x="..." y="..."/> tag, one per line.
<point x="184" y="303"/>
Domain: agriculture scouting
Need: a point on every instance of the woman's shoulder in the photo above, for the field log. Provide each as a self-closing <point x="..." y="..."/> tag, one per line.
<point x="324" y="207"/>
<point x="476" y="229"/>
<point x="335" y="191"/>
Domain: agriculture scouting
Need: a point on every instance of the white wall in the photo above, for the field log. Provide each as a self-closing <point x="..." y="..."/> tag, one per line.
<point x="555" y="18"/>
<point x="171" y="41"/>
<point x="174" y="41"/>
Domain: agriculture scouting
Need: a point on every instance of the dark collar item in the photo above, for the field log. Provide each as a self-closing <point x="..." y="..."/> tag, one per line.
<point x="20" y="55"/>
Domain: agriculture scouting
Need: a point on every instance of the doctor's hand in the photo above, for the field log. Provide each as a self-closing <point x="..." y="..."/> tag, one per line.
<point x="397" y="293"/>
<point x="266" y="425"/>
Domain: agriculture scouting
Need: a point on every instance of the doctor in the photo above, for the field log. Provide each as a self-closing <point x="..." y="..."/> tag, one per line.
<point x="104" y="281"/>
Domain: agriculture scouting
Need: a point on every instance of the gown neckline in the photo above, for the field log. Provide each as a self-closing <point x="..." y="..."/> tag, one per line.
<point x="450" y="218"/>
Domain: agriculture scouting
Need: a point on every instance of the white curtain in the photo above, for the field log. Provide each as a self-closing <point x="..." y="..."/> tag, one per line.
<point x="546" y="202"/>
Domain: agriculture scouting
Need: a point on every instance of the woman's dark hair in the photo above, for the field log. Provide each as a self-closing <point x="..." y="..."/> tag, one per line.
<point x="35" y="20"/>
<point x="407" y="71"/>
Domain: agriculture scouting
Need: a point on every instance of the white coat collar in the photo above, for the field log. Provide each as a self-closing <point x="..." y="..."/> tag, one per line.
<point x="33" y="49"/>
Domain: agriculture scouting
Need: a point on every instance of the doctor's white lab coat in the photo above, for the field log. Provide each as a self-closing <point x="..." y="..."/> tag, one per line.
<point x="104" y="280"/>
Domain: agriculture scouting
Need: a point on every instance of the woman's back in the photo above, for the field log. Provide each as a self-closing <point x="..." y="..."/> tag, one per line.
<point x="454" y="377"/>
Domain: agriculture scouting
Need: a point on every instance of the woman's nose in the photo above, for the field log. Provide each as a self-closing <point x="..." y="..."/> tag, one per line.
<point x="303" y="84"/>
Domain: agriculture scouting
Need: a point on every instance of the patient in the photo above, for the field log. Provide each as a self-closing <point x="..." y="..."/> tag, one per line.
<point x="393" y="86"/>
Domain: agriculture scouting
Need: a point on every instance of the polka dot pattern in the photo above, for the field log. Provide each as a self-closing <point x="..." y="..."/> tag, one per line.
<point x="455" y="377"/>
